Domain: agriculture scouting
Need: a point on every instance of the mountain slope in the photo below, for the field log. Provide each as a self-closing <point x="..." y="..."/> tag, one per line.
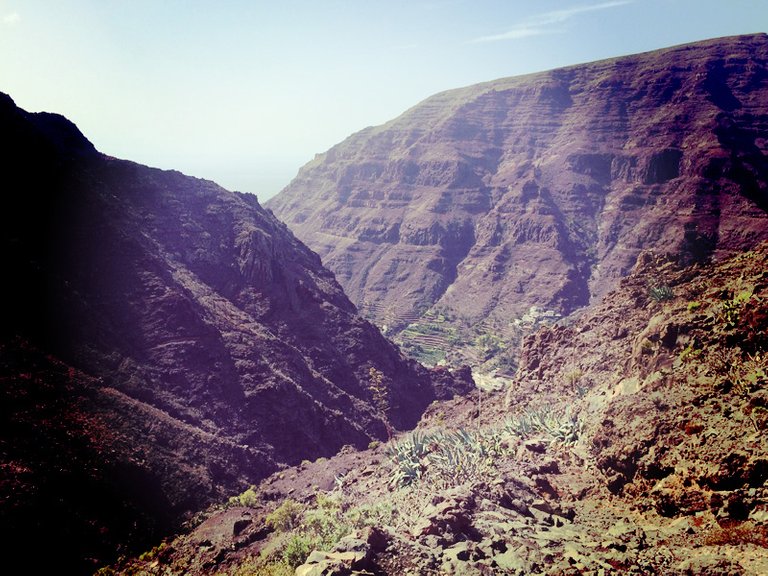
<point x="632" y="441"/>
<point x="165" y="342"/>
<point x="495" y="205"/>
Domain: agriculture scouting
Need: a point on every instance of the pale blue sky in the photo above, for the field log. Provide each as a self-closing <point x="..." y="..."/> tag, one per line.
<point x="245" y="92"/>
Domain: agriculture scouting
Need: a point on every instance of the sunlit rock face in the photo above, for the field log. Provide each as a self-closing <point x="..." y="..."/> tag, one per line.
<point x="539" y="191"/>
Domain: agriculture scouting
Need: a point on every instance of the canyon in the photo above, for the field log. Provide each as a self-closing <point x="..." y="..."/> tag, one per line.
<point x="519" y="329"/>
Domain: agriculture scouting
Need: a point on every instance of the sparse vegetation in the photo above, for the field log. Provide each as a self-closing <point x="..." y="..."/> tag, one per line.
<point x="248" y="498"/>
<point x="380" y="397"/>
<point x="759" y="417"/>
<point x="561" y="425"/>
<point x="660" y="293"/>
<point x="736" y="533"/>
<point x="749" y="376"/>
<point x="646" y="346"/>
<point x="701" y="385"/>
<point x="731" y="309"/>
<point x="301" y="529"/>
<point x="572" y="377"/>
<point x="150" y="555"/>
<point x="258" y="567"/>
<point x="689" y="353"/>
<point x="286" y="517"/>
<point x="742" y="374"/>
<point x="444" y="458"/>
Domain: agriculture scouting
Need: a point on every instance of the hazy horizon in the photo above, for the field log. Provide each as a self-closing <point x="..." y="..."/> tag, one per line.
<point x="245" y="93"/>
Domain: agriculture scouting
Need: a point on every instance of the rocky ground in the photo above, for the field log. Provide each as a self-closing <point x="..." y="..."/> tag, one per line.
<point x="632" y="441"/>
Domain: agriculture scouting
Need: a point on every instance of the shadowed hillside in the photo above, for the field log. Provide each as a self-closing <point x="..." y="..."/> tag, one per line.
<point x="165" y="343"/>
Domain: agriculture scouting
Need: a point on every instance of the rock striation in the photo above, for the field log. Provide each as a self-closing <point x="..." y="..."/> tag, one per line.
<point x="496" y="204"/>
<point x="165" y="343"/>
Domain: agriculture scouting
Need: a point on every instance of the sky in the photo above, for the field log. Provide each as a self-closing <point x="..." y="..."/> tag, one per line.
<point x="244" y="92"/>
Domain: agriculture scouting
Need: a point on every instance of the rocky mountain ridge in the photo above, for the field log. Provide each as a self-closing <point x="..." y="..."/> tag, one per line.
<point x="165" y="343"/>
<point x="488" y="209"/>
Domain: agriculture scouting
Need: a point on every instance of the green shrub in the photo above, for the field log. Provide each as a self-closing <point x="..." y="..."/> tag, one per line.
<point x="285" y="517"/>
<point x="729" y="314"/>
<point x="689" y="353"/>
<point x="572" y="377"/>
<point x="370" y="515"/>
<point x="741" y="374"/>
<point x="150" y="555"/>
<point x="297" y="549"/>
<point x="260" y="567"/>
<point x="748" y="378"/>
<point x="730" y="311"/>
<point x="318" y="527"/>
<point x="248" y="498"/>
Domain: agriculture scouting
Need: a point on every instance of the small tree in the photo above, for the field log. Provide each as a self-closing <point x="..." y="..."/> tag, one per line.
<point x="380" y="395"/>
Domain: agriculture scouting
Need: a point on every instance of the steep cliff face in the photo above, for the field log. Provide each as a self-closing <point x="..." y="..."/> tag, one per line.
<point x="502" y="202"/>
<point x="165" y="343"/>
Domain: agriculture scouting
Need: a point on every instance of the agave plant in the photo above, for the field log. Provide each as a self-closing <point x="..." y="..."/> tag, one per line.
<point x="660" y="293"/>
<point x="560" y="424"/>
<point x="407" y="457"/>
<point x="446" y="458"/>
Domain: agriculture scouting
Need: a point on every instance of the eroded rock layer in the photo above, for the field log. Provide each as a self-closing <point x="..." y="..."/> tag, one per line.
<point x="539" y="191"/>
